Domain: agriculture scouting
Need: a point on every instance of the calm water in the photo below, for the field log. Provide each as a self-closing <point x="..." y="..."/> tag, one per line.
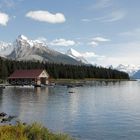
<point x="105" y="111"/>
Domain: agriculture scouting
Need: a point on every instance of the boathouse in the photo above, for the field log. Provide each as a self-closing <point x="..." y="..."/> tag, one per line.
<point x="35" y="77"/>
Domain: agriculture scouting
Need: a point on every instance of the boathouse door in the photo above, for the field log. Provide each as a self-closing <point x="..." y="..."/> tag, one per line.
<point x="43" y="80"/>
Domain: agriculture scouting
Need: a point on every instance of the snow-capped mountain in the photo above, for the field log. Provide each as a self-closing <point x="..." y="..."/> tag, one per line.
<point x="130" y="69"/>
<point x="5" y="48"/>
<point x="76" y="55"/>
<point x="136" y="75"/>
<point x="26" y="49"/>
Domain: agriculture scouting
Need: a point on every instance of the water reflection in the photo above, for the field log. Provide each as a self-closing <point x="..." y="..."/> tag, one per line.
<point x="1" y="91"/>
<point x="21" y="100"/>
<point x="103" y="83"/>
<point x="98" y="110"/>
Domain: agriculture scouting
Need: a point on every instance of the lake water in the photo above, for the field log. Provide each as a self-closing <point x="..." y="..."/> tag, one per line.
<point x="103" y="111"/>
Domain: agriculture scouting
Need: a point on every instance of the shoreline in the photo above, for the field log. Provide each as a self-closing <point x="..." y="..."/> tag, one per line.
<point x="82" y="82"/>
<point x="88" y="79"/>
<point x="72" y="82"/>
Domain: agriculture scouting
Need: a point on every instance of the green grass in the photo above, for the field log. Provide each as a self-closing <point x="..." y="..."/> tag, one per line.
<point x="29" y="132"/>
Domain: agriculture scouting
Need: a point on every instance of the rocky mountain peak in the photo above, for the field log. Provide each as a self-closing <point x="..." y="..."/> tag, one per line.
<point x="73" y="52"/>
<point x="76" y="55"/>
<point x="22" y="37"/>
<point x="36" y="50"/>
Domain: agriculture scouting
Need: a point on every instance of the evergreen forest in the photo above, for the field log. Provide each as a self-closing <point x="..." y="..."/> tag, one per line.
<point x="64" y="71"/>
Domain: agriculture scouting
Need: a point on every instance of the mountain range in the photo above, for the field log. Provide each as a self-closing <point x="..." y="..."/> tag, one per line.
<point x="25" y="49"/>
<point x="132" y="70"/>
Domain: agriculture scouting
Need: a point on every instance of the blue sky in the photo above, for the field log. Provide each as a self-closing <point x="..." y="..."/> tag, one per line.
<point x="106" y="32"/>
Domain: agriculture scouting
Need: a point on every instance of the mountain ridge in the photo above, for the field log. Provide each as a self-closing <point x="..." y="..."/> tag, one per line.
<point x="36" y="50"/>
<point x="132" y="70"/>
<point x="76" y="55"/>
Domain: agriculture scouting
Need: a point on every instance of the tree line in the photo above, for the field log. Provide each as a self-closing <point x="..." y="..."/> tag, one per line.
<point x="57" y="71"/>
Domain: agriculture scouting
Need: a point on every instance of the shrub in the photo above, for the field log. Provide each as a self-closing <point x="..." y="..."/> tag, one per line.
<point x="29" y="132"/>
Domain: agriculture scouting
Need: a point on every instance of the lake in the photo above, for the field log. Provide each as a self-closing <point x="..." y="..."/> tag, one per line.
<point x="99" y="111"/>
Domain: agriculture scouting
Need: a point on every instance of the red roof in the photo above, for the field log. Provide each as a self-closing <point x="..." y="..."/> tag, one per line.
<point x="33" y="73"/>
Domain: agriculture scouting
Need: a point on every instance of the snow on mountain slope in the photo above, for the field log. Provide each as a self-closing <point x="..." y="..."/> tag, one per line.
<point x="136" y="75"/>
<point x="5" y="48"/>
<point x="76" y="55"/>
<point x="25" y="49"/>
<point x="130" y="69"/>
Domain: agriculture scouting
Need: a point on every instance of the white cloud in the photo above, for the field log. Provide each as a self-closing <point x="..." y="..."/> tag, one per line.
<point x="100" y="39"/>
<point x="126" y="52"/>
<point x="45" y="16"/>
<point x="93" y="44"/>
<point x="43" y="39"/>
<point x="91" y="55"/>
<point x="93" y="58"/>
<point x="97" y="40"/>
<point x="116" y="60"/>
<point x="62" y="42"/>
<point x="4" y="18"/>
<point x="114" y="16"/>
<point x="122" y="53"/>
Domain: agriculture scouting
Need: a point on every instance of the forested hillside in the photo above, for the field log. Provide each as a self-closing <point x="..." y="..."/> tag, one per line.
<point x="61" y="70"/>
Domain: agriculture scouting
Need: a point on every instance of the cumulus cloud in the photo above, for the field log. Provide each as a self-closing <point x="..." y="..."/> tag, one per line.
<point x="4" y="18"/>
<point x="45" y="16"/>
<point x="62" y="42"/>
